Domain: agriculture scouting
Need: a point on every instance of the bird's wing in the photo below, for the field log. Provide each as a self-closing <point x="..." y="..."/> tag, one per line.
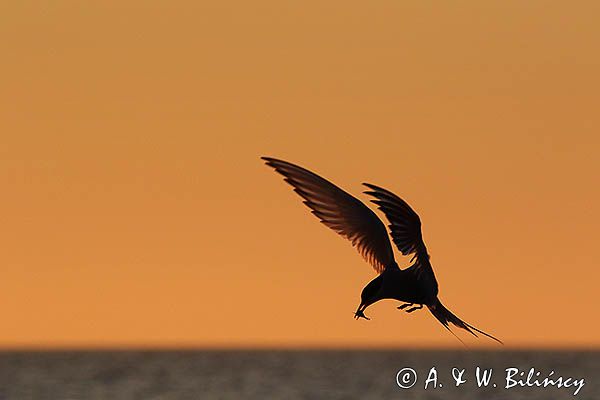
<point x="405" y="227"/>
<point x="342" y="212"/>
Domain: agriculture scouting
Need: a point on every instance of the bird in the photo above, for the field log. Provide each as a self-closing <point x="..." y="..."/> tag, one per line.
<point x="416" y="286"/>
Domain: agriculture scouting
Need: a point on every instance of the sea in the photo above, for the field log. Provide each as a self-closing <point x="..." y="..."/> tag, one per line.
<point x="299" y="374"/>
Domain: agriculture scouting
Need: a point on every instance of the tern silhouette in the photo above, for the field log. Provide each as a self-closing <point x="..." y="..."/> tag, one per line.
<point x="416" y="285"/>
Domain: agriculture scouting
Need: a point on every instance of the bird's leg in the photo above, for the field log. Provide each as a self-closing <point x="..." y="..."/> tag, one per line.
<point x="418" y="307"/>
<point x="403" y="306"/>
<point x="360" y="312"/>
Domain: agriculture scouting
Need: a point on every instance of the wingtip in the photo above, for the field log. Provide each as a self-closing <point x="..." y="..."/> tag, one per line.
<point x="273" y="160"/>
<point x="367" y="185"/>
<point x="372" y="191"/>
<point x="270" y="161"/>
<point x="371" y="186"/>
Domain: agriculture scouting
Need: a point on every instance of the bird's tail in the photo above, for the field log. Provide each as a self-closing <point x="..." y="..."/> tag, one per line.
<point x="445" y="316"/>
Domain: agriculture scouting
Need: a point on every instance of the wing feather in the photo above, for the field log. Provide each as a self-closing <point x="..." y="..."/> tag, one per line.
<point x="405" y="229"/>
<point x="341" y="212"/>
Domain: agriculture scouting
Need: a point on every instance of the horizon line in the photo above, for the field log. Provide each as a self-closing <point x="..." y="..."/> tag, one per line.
<point x="97" y="347"/>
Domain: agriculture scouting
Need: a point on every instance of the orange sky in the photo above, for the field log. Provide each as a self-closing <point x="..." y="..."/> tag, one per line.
<point x="136" y="211"/>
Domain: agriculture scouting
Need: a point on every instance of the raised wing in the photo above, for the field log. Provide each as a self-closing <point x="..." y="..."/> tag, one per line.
<point x="342" y="212"/>
<point x="405" y="228"/>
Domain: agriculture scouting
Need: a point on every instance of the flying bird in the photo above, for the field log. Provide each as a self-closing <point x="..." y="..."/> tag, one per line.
<point x="414" y="286"/>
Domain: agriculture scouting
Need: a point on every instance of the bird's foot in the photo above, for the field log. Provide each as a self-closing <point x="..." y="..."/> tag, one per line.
<point x="403" y="306"/>
<point x="360" y="314"/>
<point x="414" y="308"/>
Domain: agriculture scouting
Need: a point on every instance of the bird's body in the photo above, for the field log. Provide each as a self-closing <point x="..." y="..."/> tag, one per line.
<point x="415" y="286"/>
<point x="398" y="284"/>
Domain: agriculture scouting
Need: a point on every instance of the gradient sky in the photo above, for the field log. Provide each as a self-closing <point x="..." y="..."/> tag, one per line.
<point x="135" y="210"/>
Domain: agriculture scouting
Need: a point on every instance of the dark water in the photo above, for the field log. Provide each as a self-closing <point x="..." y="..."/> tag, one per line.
<point x="284" y="374"/>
